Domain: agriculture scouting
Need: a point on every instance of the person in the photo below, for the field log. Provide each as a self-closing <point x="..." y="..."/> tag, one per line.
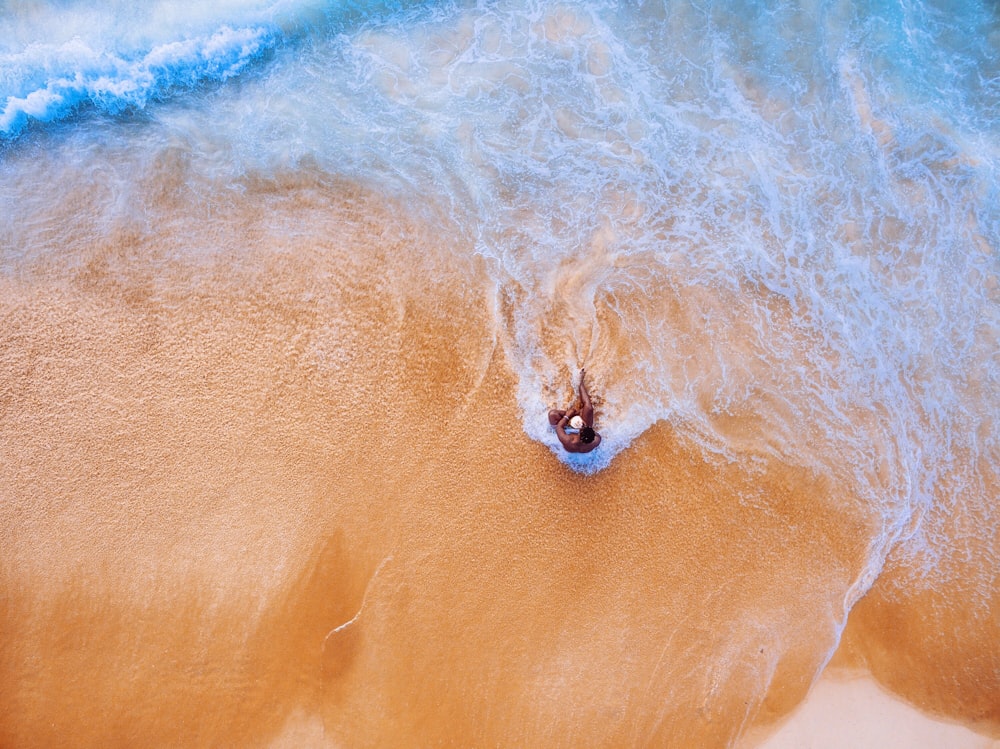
<point x="586" y="437"/>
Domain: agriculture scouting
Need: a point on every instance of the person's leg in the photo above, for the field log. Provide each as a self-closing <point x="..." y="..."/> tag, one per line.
<point x="555" y="415"/>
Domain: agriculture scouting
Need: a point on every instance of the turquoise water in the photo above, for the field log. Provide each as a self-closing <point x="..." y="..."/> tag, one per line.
<point x="773" y="225"/>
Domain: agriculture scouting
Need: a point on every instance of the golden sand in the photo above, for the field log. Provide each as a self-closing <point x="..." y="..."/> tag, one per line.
<point x="264" y="481"/>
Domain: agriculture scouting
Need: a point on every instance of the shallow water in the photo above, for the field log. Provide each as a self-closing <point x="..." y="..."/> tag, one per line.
<point x="289" y="289"/>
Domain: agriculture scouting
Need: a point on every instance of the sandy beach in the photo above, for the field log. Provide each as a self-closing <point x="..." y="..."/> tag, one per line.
<point x="219" y="527"/>
<point x="287" y="290"/>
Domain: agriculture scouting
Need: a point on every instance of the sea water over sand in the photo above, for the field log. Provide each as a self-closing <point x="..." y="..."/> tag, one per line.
<point x="290" y="287"/>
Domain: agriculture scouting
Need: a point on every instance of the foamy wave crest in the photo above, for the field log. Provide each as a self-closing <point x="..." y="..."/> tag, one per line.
<point x="55" y="60"/>
<point x="56" y="80"/>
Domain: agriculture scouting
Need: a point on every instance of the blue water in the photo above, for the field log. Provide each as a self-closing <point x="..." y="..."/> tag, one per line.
<point x="772" y="225"/>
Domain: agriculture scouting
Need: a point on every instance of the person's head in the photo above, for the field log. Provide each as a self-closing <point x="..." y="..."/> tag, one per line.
<point x="587" y="435"/>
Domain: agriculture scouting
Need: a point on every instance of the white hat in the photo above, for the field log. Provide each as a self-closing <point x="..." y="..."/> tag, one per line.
<point x="577" y="422"/>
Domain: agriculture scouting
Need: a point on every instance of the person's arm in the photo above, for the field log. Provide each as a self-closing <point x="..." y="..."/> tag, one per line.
<point x="587" y="412"/>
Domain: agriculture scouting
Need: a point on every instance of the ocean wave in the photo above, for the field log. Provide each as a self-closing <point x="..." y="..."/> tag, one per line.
<point x="56" y="60"/>
<point x="59" y="79"/>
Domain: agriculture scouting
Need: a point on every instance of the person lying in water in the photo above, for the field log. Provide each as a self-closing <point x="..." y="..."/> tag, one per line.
<point x="583" y="438"/>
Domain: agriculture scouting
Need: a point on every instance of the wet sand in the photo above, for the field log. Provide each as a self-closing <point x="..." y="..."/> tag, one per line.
<point x="267" y="483"/>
